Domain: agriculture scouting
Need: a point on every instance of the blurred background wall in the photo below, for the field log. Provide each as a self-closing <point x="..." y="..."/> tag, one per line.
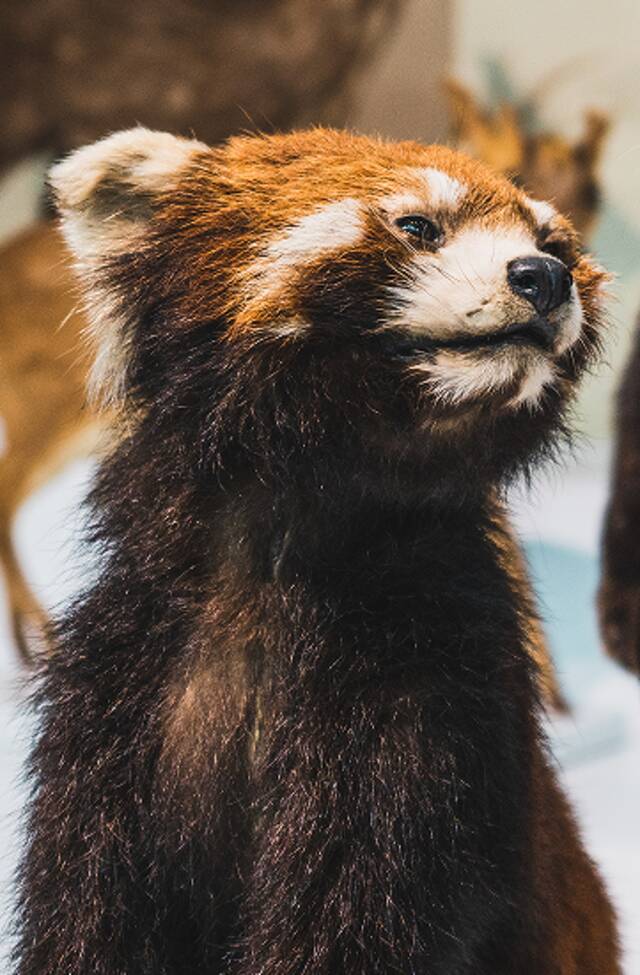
<point x="401" y="93"/>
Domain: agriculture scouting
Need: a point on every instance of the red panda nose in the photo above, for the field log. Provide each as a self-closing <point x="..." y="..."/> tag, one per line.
<point x="544" y="281"/>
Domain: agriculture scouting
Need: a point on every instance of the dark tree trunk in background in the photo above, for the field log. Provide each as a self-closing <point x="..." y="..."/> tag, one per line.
<point x="72" y="71"/>
<point x="619" y="594"/>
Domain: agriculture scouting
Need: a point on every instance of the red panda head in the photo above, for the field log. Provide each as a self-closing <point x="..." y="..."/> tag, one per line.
<point x="406" y="288"/>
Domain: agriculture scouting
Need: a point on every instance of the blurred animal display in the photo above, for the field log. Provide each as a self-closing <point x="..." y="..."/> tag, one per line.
<point x="619" y="592"/>
<point x="546" y="164"/>
<point x="42" y="378"/>
<point x="292" y="726"/>
<point x="72" y="71"/>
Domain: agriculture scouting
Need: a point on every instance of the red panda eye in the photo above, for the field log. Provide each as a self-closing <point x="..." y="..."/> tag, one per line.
<point x="424" y="231"/>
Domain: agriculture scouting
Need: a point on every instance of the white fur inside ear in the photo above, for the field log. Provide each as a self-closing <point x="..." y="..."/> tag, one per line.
<point x="147" y="161"/>
<point x="105" y="194"/>
<point x="105" y="191"/>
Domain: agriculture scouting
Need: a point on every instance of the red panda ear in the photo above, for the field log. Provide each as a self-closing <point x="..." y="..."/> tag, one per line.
<point x="106" y="195"/>
<point x="105" y="192"/>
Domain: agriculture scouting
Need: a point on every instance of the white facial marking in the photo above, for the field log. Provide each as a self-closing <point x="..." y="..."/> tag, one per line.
<point x="462" y="290"/>
<point x="571" y="324"/>
<point x="454" y="376"/>
<point x="401" y="204"/>
<point x="543" y="212"/>
<point x="536" y="378"/>
<point x="333" y="226"/>
<point x="444" y="190"/>
<point x="463" y="286"/>
<point x="441" y="190"/>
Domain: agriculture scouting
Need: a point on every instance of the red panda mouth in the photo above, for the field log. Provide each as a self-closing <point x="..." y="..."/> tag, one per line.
<point x="536" y="332"/>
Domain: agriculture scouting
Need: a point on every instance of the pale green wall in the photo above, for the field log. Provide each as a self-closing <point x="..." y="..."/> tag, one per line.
<point x="588" y="51"/>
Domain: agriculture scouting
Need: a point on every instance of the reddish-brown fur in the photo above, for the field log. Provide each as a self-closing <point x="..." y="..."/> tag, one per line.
<point x="293" y="728"/>
<point x="39" y="307"/>
<point x="548" y="166"/>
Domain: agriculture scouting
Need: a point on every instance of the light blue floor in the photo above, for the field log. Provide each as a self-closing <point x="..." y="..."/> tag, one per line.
<point x="566" y="582"/>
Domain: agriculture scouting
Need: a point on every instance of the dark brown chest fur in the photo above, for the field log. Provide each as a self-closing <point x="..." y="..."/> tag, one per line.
<point x="351" y="720"/>
<point x="291" y="729"/>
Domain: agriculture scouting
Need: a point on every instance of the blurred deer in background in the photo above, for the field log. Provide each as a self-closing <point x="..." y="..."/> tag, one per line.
<point x="207" y="68"/>
<point x="42" y="373"/>
<point x="546" y="164"/>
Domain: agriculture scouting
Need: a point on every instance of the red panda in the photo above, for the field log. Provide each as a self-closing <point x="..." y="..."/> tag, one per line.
<point x="293" y="727"/>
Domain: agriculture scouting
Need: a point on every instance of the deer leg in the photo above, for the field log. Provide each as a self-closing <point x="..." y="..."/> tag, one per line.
<point x="27" y="617"/>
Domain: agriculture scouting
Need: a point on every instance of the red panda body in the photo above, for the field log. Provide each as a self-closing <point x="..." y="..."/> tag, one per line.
<point x="294" y="728"/>
<point x="619" y="591"/>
